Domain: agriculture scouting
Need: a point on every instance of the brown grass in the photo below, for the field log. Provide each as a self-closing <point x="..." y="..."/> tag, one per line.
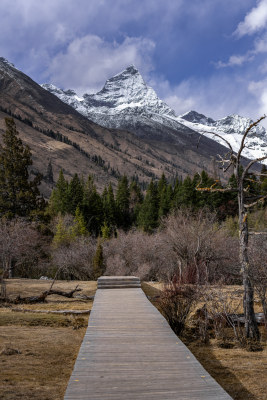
<point x="241" y="373"/>
<point x="45" y="346"/>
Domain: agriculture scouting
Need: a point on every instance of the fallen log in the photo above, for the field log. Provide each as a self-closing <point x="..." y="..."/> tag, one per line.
<point x="65" y="294"/>
<point x="41" y="298"/>
<point x="64" y="312"/>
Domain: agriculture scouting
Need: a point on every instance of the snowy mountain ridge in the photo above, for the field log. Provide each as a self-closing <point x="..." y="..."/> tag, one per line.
<point x="230" y="128"/>
<point x="127" y="102"/>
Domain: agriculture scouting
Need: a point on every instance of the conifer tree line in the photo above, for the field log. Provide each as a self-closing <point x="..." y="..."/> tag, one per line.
<point x="101" y="214"/>
<point x="128" y="206"/>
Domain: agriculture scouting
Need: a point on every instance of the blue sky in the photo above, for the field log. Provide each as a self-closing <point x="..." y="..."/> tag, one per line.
<point x="207" y="55"/>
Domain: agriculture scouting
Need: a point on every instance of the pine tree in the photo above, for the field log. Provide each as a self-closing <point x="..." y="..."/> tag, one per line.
<point x="148" y="216"/>
<point x="135" y="201"/>
<point x="79" y="227"/>
<point x="18" y="195"/>
<point x="165" y="200"/>
<point x="109" y="207"/>
<point x="58" y="202"/>
<point x="62" y="236"/>
<point x="75" y="194"/>
<point x="49" y="177"/>
<point x="92" y="208"/>
<point x="122" y="203"/>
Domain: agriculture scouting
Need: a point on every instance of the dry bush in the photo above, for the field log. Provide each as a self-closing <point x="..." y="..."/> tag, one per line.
<point x="202" y="249"/>
<point x="75" y="260"/>
<point x="221" y="314"/>
<point x="22" y="248"/>
<point x="176" y="302"/>
<point x="137" y="253"/>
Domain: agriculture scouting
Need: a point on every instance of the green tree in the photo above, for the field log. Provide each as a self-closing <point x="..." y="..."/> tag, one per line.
<point x="58" y="202"/>
<point x="18" y="195"/>
<point x="135" y="201"/>
<point x="148" y="217"/>
<point x="75" y="194"/>
<point x="92" y="208"/>
<point x="79" y="227"/>
<point x="123" y="203"/>
<point x="109" y="207"/>
<point x="62" y="235"/>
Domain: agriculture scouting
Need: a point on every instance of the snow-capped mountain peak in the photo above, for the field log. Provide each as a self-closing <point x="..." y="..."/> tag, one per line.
<point x="127" y="102"/>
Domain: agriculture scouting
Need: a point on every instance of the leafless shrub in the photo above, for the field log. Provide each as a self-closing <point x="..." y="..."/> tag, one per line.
<point x="221" y="312"/>
<point x="137" y="253"/>
<point x="21" y="247"/>
<point x="203" y="251"/>
<point x="176" y="302"/>
<point x="75" y="260"/>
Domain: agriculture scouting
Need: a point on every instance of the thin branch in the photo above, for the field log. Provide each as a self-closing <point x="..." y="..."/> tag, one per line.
<point x="255" y="202"/>
<point x="250" y="165"/>
<point x="242" y="145"/>
<point x="217" y="190"/>
<point x="219" y="136"/>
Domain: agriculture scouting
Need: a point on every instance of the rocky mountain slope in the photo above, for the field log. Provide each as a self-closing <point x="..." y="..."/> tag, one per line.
<point x="59" y="134"/>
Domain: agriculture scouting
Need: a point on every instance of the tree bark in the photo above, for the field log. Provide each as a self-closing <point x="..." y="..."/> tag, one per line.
<point x="251" y="326"/>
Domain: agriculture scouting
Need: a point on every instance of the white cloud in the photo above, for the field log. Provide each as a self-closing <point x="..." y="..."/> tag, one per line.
<point x="254" y="21"/>
<point x="236" y="60"/>
<point x="259" y="90"/>
<point x="88" y="61"/>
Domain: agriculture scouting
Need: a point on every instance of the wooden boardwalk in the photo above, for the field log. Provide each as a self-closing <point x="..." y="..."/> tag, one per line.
<point x="129" y="352"/>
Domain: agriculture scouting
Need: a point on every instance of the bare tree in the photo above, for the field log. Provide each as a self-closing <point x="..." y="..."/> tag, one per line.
<point x="245" y="202"/>
<point x="203" y="251"/>
<point x="18" y="241"/>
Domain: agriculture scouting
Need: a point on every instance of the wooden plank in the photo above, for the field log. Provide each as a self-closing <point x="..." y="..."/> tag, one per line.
<point x="129" y="352"/>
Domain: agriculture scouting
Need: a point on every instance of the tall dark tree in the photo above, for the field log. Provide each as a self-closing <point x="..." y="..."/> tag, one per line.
<point x="49" y="177"/>
<point x="18" y="195"/>
<point x="75" y="194"/>
<point x="58" y="202"/>
<point x="135" y="201"/>
<point x="109" y="207"/>
<point x="92" y="208"/>
<point x="122" y="203"/>
<point x="148" y="217"/>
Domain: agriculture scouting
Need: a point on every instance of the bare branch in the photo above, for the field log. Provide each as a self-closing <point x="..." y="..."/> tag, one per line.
<point x="242" y="145"/>
<point x="211" y="190"/>
<point x="250" y="165"/>
<point x="219" y="136"/>
<point x="255" y="202"/>
<point x="226" y="141"/>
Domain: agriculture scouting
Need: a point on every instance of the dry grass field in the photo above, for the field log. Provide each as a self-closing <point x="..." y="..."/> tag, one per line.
<point x="38" y="351"/>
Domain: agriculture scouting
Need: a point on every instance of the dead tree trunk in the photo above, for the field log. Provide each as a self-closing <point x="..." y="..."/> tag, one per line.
<point x="251" y="326"/>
